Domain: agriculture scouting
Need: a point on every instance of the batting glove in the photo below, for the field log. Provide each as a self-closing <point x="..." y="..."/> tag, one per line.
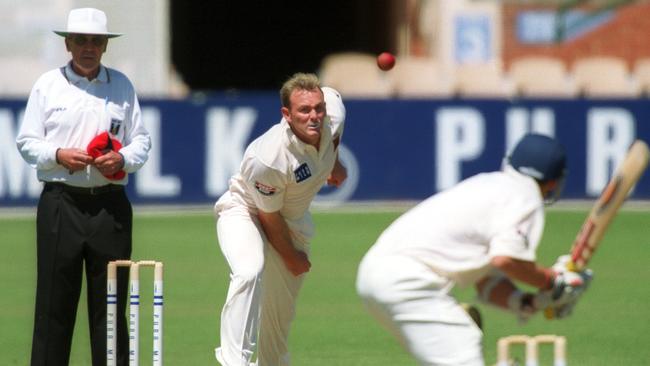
<point x="567" y="289"/>
<point x="561" y="263"/>
<point x="568" y="286"/>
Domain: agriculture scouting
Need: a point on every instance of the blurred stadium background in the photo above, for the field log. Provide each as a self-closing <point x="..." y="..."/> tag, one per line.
<point x="471" y="77"/>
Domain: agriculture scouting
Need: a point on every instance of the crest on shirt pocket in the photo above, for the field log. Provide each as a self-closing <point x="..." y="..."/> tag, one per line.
<point x="117" y="115"/>
<point x="265" y="189"/>
<point x="302" y="173"/>
<point x="116" y="124"/>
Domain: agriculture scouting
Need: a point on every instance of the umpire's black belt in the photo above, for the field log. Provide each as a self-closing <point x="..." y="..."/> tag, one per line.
<point x="84" y="190"/>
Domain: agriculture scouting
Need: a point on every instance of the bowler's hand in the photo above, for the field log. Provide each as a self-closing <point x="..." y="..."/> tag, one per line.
<point x="338" y="174"/>
<point x="297" y="263"/>
<point x="73" y="159"/>
<point x="109" y="163"/>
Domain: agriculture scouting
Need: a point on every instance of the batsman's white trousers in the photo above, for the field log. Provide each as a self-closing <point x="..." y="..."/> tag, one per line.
<point x="261" y="298"/>
<point x="414" y="304"/>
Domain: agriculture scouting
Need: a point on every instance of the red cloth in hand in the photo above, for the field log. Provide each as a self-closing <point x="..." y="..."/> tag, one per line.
<point x="102" y="144"/>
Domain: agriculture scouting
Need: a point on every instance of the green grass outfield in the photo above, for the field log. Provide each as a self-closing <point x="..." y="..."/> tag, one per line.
<point x="609" y="327"/>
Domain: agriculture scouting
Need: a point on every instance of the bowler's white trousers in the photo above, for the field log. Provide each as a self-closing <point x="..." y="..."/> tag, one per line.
<point x="261" y="298"/>
<point x="414" y="304"/>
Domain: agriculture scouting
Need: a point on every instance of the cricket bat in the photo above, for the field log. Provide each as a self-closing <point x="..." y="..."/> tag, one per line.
<point x="606" y="207"/>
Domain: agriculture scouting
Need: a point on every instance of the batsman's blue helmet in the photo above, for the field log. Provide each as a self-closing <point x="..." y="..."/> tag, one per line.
<point x="540" y="157"/>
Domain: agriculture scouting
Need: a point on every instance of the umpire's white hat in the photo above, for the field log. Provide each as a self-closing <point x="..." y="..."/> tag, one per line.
<point x="87" y="21"/>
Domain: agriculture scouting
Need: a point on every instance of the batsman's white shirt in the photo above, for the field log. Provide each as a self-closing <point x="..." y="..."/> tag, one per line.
<point x="450" y="238"/>
<point x="458" y="231"/>
<point x="281" y="173"/>
<point x="66" y="110"/>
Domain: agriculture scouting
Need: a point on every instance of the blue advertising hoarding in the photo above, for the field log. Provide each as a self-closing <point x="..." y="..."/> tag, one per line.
<point x="393" y="149"/>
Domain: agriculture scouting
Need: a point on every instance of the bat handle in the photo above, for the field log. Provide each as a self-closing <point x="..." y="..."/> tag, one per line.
<point x="572" y="266"/>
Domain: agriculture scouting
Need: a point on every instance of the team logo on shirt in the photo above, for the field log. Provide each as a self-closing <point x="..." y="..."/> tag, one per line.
<point x="302" y="173"/>
<point x="115" y="126"/>
<point x="264" y="189"/>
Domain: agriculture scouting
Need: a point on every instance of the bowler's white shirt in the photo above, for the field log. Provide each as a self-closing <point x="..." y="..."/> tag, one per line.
<point x="458" y="231"/>
<point x="66" y="110"/>
<point x="281" y="173"/>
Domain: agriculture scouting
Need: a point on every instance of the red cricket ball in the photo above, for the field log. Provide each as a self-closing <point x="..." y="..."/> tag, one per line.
<point x="385" y="61"/>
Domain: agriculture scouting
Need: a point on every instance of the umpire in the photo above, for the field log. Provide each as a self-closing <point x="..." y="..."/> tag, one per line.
<point x="82" y="132"/>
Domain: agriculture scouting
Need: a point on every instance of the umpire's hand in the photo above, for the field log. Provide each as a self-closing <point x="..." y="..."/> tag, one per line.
<point x="73" y="159"/>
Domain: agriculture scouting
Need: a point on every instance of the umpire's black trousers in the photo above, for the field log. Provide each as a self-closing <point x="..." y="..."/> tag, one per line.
<point x="77" y="226"/>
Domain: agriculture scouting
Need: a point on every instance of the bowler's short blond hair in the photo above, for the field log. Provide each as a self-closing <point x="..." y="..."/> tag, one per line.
<point x="299" y="81"/>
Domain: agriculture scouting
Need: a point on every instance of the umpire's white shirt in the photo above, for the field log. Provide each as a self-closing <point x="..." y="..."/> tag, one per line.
<point x="458" y="231"/>
<point x="66" y="110"/>
<point x="279" y="172"/>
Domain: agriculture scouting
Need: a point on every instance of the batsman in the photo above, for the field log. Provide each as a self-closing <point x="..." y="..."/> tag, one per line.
<point x="483" y="232"/>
